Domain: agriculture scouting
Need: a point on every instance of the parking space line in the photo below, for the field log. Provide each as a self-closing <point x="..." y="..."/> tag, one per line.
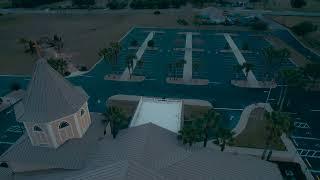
<point x="309" y="138"/>
<point x="7" y="142"/>
<point x="315" y="110"/>
<point x="231" y="109"/>
<point x="308" y="162"/>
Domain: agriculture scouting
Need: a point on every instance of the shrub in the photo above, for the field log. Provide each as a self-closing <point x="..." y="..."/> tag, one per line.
<point x="304" y="28"/>
<point x="245" y="46"/>
<point x="83" y="68"/>
<point x="259" y="25"/>
<point x="67" y="73"/>
<point x="151" y="43"/>
<point x="226" y="46"/>
<point x="134" y="43"/>
<point x="182" y="22"/>
<point x="15" y="86"/>
<point x="156" y="12"/>
<point x="115" y="4"/>
<point x="298" y="3"/>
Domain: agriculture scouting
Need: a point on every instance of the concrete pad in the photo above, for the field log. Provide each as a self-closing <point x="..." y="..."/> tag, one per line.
<point x="187" y="68"/>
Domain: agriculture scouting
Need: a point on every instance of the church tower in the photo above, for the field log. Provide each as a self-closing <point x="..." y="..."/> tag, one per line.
<point x="55" y="111"/>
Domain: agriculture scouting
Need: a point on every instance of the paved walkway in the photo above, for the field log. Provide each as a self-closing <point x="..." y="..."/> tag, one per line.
<point x="250" y="77"/>
<point x="187" y="68"/>
<point x="126" y="75"/>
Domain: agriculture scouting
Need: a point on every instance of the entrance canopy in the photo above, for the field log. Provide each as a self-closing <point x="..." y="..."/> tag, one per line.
<point x="166" y="113"/>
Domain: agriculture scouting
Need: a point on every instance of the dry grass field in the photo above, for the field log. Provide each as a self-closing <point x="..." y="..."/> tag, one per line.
<point x="83" y="35"/>
<point x="312" y="40"/>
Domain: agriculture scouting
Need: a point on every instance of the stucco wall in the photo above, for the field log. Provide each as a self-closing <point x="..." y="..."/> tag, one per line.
<point x="56" y="131"/>
<point x="35" y="136"/>
<point x="84" y="120"/>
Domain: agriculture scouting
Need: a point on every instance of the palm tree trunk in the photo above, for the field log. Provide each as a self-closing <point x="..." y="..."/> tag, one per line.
<point x="223" y="146"/>
<point x="205" y="139"/>
<point x="283" y="98"/>
<point x="269" y="155"/>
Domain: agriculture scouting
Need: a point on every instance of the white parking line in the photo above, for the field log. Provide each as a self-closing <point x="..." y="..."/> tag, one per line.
<point x="315" y="110"/>
<point x="308" y="162"/>
<point x="309" y="138"/>
<point x="231" y="109"/>
<point x="6" y="142"/>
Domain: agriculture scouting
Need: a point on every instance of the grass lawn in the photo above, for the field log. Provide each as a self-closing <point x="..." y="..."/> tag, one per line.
<point x="311" y="40"/>
<point x="254" y="135"/>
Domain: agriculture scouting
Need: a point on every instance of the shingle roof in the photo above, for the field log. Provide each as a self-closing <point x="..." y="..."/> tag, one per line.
<point x="151" y="152"/>
<point x="50" y="96"/>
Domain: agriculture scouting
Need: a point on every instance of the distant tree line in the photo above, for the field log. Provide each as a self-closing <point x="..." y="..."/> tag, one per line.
<point x="31" y="3"/>
<point x="83" y="3"/>
<point x="156" y="4"/>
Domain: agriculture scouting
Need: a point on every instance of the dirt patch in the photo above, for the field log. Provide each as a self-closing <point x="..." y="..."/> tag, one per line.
<point x="255" y="133"/>
<point x="191" y="112"/>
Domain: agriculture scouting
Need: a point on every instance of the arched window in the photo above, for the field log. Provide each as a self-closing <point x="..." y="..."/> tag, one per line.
<point x="37" y="128"/>
<point x="4" y="164"/>
<point x="82" y="112"/>
<point x="63" y="125"/>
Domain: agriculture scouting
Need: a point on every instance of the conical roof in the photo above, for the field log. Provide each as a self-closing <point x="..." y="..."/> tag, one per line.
<point x="50" y="96"/>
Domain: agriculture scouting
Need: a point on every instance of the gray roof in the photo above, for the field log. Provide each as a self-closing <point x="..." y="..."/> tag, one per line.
<point x="50" y="96"/>
<point x="150" y="152"/>
<point x="5" y="173"/>
<point x="71" y="155"/>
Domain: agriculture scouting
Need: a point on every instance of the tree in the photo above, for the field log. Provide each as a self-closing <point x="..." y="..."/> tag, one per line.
<point x="259" y="25"/>
<point x="59" y="65"/>
<point x="292" y="78"/>
<point x="312" y="70"/>
<point x="151" y="43"/>
<point x="245" y="46"/>
<point x="298" y="3"/>
<point x="188" y="134"/>
<point x="277" y="124"/>
<point x="134" y="43"/>
<point x="304" y="28"/>
<point x="224" y="137"/>
<point x="83" y="3"/>
<point x="111" y="53"/>
<point x="140" y="64"/>
<point x="130" y="63"/>
<point x="274" y="57"/>
<point x="195" y="67"/>
<point x="247" y="67"/>
<point x="116" y="117"/>
<point x="208" y="122"/>
<point x="24" y="42"/>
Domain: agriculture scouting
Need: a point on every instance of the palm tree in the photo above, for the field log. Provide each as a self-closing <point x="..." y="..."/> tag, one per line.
<point x="115" y="116"/>
<point x="274" y="57"/>
<point x="111" y="53"/>
<point x="313" y="70"/>
<point x="179" y="64"/>
<point x="140" y="64"/>
<point x="195" y="67"/>
<point x="208" y="122"/>
<point x="24" y="42"/>
<point x="130" y="63"/>
<point x="277" y="124"/>
<point x="151" y="43"/>
<point x="59" y="65"/>
<point x="247" y="67"/>
<point x="292" y="78"/>
<point x="224" y="137"/>
<point x="188" y="134"/>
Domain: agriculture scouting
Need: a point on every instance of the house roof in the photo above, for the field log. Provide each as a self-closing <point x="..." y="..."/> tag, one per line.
<point x="151" y="152"/>
<point x="50" y="96"/>
<point x="71" y="155"/>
